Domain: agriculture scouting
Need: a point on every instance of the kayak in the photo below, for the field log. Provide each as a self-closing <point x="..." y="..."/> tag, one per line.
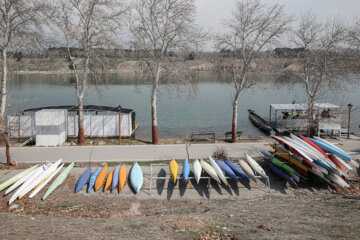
<point x="115" y="179"/>
<point x="44" y="175"/>
<point x="36" y="174"/>
<point x="18" y="176"/>
<point x="22" y="180"/>
<point x="282" y="173"/>
<point x="83" y="179"/>
<point x="58" y="181"/>
<point x="196" y="168"/>
<point x="109" y="179"/>
<point x="329" y="148"/>
<point x="227" y="170"/>
<point x="136" y="177"/>
<point x="306" y="160"/>
<point x="122" y="177"/>
<point x="237" y="170"/>
<point x="281" y="164"/>
<point x="93" y="178"/>
<point x="209" y="170"/>
<point x="186" y="169"/>
<point x="344" y="156"/>
<point x="296" y="168"/>
<point x="218" y="171"/>
<point x="101" y="178"/>
<point x="257" y="168"/>
<point x="42" y="185"/>
<point x="314" y="145"/>
<point x="288" y="156"/>
<point x="174" y="168"/>
<point x="247" y="169"/>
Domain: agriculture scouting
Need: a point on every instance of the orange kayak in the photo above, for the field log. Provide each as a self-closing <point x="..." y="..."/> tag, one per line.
<point x="122" y="177"/>
<point x="109" y="179"/>
<point x="100" y="178"/>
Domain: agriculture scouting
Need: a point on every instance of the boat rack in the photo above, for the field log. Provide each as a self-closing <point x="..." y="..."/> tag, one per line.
<point x="267" y="182"/>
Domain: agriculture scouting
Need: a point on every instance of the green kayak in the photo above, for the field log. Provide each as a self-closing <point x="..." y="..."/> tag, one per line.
<point x="281" y="164"/>
<point x="15" y="178"/>
<point x="58" y="181"/>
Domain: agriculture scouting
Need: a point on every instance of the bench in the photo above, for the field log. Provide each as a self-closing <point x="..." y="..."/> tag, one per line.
<point x="229" y="134"/>
<point x="200" y="136"/>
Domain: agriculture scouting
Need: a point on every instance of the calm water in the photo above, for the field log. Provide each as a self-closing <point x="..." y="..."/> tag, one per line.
<point x="178" y="113"/>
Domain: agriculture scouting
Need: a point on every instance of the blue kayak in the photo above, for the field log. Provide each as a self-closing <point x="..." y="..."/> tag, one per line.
<point x="93" y="178"/>
<point x="83" y="179"/>
<point x="282" y="173"/>
<point x="136" y="177"/>
<point x="186" y="169"/>
<point x="226" y="169"/>
<point x="322" y="164"/>
<point x="331" y="149"/>
<point x="115" y="179"/>
<point x="237" y="170"/>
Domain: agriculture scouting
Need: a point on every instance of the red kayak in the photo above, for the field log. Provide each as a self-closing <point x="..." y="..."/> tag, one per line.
<point x="314" y="145"/>
<point x="337" y="163"/>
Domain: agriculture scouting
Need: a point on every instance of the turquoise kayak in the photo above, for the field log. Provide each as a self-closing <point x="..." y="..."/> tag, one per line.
<point x="186" y="169"/>
<point x="136" y="177"/>
<point x="93" y="178"/>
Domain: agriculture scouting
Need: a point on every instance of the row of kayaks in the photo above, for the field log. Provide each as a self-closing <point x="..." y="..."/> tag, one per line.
<point x="34" y="179"/>
<point x="115" y="179"/>
<point x="299" y="158"/>
<point x="218" y="170"/>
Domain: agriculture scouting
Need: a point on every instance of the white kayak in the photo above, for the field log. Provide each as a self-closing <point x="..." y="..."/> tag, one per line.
<point x="196" y="168"/>
<point x="209" y="170"/>
<point x="42" y="185"/>
<point x="247" y="169"/>
<point x="29" y="181"/>
<point x="257" y="168"/>
<point x="22" y="180"/>
<point x="218" y="171"/>
<point x="41" y="177"/>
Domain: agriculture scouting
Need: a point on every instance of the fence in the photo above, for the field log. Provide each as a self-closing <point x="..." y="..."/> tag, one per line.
<point x="94" y="125"/>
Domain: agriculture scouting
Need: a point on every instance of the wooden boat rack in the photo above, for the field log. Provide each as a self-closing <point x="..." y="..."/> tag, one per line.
<point x="208" y="178"/>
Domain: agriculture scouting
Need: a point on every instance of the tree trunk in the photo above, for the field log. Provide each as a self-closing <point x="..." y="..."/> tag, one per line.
<point x="3" y="98"/>
<point x="234" y="118"/>
<point x="81" y="136"/>
<point x="155" y="137"/>
<point x="8" y="157"/>
<point x="312" y="122"/>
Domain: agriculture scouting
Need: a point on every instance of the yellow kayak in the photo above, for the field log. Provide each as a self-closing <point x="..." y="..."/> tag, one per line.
<point x="174" y="169"/>
<point x="109" y="179"/>
<point x="288" y="157"/>
<point x="100" y="178"/>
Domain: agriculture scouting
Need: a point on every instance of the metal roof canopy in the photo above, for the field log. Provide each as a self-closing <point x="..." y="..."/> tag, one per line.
<point x="74" y="108"/>
<point x="301" y="106"/>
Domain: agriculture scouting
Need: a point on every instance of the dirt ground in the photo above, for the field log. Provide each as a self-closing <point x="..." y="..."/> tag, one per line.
<point x="306" y="213"/>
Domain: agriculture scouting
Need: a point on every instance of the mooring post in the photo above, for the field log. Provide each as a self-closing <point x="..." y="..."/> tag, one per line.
<point x="349" y="106"/>
<point x="119" y="108"/>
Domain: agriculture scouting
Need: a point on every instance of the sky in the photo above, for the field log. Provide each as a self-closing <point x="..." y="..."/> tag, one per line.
<point x="210" y="13"/>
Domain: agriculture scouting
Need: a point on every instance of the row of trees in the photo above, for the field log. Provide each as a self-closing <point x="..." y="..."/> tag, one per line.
<point x="158" y="27"/>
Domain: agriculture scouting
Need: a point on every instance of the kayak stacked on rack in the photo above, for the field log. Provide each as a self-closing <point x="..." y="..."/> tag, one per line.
<point x="297" y="158"/>
<point x="34" y="179"/>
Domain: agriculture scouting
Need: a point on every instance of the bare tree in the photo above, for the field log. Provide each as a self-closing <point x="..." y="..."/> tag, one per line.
<point x="251" y="28"/>
<point x="321" y="59"/>
<point x="19" y="29"/>
<point x="88" y="25"/>
<point x="161" y="28"/>
<point x="354" y="33"/>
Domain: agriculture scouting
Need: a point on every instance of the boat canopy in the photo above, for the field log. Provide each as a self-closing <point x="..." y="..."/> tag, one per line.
<point x="90" y="108"/>
<point x="301" y="106"/>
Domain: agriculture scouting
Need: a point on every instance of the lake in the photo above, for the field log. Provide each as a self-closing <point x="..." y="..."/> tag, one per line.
<point x="178" y="112"/>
